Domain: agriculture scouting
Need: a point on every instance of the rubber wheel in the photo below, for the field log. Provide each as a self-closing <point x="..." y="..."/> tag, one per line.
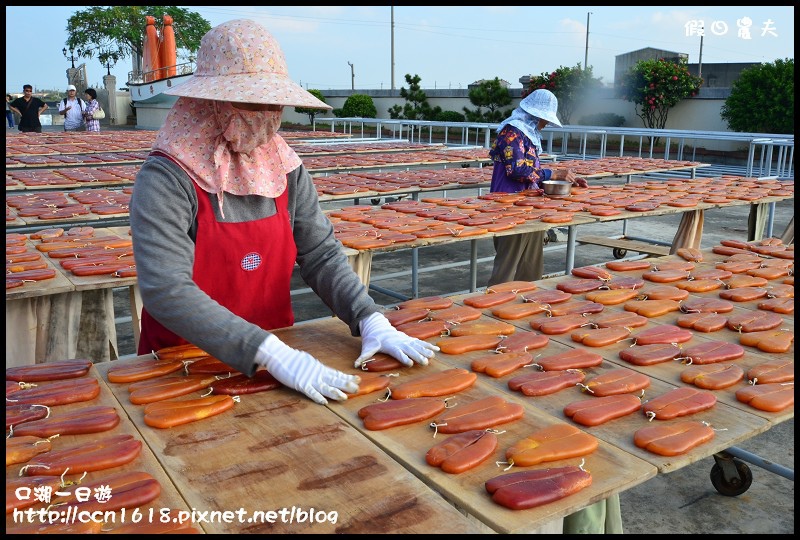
<point x="736" y="486"/>
<point x="619" y="253"/>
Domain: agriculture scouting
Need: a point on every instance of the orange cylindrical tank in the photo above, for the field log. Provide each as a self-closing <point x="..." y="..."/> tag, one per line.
<point x="150" y="61"/>
<point x="167" y="52"/>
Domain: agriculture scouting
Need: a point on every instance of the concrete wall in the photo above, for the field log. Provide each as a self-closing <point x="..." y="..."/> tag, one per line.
<point x="701" y="113"/>
<point x="720" y="75"/>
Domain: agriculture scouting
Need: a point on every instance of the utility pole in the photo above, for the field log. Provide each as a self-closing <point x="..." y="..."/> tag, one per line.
<point x="586" y="54"/>
<point x="700" y="62"/>
<point x="352" y="76"/>
<point x="392" y="47"/>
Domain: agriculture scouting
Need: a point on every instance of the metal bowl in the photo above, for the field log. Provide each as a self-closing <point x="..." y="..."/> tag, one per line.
<point x="556" y="188"/>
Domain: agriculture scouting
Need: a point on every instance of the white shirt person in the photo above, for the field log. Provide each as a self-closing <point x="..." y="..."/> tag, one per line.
<point x="71" y="108"/>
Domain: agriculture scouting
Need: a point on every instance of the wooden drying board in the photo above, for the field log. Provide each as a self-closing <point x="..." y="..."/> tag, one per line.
<point x="345" y="168"/>
<point x="21" y="186"/>
<point x="30" y="221"/>
<point x="278" y="449"/>
<point x="105" y="281"/>
<point x="534" y="225"/>
<point x="170" y="498"/>
<point x="73" y="185"/>
<point x="612" y="470"/>
<point x="374" y="194"/>
<point x="670" y="372"/>
<point x="60" y="164"/>
<point x="740" y="420"/>
<point x="740" y="425"/>
<point x="45" y="287"/>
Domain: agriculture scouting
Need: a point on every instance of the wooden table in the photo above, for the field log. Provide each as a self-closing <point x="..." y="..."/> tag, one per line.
<point x="67" y="316"/>
<point x="732" y="420"/>
<point x="170" y="497"/>
<point x="277" y="450"/>
<point x="323" y="458"/>
<point x="612" y="471"/>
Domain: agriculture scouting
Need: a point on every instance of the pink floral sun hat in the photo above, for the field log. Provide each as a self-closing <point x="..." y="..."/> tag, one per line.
<point x="243" y="62"/>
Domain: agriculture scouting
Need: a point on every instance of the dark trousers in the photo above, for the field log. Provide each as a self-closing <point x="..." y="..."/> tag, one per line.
<point x="10" y="118"/>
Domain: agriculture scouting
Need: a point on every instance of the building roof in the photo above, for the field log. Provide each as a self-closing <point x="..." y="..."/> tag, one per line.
<point x="503" y="82"/>
<point x="650" y="49"/>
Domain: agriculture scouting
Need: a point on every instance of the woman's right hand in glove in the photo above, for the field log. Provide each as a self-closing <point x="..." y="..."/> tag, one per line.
<point x="301" y="371"/>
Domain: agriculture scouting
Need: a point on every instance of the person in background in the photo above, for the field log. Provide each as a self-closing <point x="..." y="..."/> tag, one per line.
<point x="516" y="167"/>
<point x="9" y="112"/>
<point x="222" y="210"/>
<point x="71" y="108"/>
<point x="92" y="105"/>
<point x="515" y="153"/>
<point x="29" y="108"/>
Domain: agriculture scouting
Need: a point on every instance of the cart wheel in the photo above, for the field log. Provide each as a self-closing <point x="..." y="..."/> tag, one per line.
<point x="736" y="486"/>
<point x="619" y="253"/>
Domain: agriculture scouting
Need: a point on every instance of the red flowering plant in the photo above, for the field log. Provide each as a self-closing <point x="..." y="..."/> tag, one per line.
<point x="655" y="86"/>
<point x="570" y="86"/>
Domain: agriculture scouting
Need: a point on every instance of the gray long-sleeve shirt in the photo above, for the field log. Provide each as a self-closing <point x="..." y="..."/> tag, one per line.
<point x="163" y="214"/>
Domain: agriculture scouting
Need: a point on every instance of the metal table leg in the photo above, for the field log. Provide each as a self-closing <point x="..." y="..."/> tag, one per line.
<point x="572" y="233"/>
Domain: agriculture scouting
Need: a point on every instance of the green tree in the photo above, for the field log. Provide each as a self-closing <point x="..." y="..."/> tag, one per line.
<point x="359" y="106"/>
<point x="655" y="86"/>
<point x="311" y="112"/>
<point x="117" y="32"/>
<point x="492" y="95"/>
<point x="416" y="106"/>
<point x="570" y="85"/>
<point x="762" y="99"/>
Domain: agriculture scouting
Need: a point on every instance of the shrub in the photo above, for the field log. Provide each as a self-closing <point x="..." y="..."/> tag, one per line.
<point x="359" y="106"/>
<point x="655" y="86"/>
<point x="311" y="112"/>
<point x="569" y="84"/>
<point x="450" y="116"/>
<point x="762" y="99"/>
<point x="492" y="96"/>
<point x="602" y="119"/>
<point x="416" y="106"/>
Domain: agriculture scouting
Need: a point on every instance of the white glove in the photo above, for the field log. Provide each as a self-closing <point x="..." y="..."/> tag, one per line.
<point x="301" y="371"/>
<point x="378" y="335"/>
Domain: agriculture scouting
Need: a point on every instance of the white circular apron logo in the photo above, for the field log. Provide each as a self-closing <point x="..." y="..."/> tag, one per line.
<point x="251" y="261"/>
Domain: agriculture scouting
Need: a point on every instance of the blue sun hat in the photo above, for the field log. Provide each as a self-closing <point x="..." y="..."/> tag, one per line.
<point x="542" y="104"/>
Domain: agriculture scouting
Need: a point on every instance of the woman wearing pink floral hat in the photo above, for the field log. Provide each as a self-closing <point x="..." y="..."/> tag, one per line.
<point x="222" y="210"/>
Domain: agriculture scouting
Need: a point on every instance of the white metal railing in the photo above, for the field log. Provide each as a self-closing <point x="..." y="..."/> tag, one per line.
<point x="768" y="154"/>
<point x="139" y="77"/>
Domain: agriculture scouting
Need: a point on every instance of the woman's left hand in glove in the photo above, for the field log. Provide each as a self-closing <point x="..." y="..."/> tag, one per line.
<point x="378" y="335"/>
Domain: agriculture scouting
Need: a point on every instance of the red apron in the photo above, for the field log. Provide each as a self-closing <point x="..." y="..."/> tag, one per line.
<point x="246" y="267"/>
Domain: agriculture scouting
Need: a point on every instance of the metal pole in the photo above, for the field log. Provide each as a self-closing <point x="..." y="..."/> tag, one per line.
<point x="352" y="76"/>
<point x="392" y="47"/>
<point x="700" y="62"/>
<point x="586" y="54"/>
